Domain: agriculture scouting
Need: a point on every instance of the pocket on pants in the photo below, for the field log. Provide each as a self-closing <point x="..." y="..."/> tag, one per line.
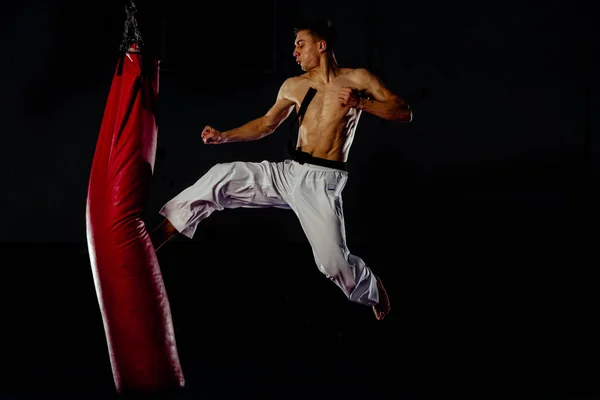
<point x="335" y="183"/>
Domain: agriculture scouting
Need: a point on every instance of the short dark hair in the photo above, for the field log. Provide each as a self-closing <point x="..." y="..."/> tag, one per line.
<point x="322" y="29"/>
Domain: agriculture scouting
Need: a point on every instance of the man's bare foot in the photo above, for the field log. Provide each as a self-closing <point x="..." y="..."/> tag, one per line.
<point x="382" y="308"/>
<point x="164" y="232"/>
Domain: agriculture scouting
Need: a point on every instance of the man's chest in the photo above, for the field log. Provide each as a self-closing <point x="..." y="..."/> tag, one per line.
<point x="316" y="99"/>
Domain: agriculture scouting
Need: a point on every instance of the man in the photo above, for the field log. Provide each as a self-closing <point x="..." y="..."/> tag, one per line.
<point x="311" y="183"/>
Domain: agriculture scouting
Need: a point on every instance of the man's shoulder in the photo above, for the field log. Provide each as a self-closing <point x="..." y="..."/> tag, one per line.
<point x="294" y="86"/>
<point x="355" y="72"/>
<point x="294" y="81"/>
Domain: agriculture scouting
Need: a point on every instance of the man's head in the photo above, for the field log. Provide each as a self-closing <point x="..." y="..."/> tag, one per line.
<point x="314" y="40"/>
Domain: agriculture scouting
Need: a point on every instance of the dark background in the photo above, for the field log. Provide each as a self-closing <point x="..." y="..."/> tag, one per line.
<point x="480" y="215"/>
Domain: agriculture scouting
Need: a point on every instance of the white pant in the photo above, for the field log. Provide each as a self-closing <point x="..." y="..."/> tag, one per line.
<point x="312" y="192"/>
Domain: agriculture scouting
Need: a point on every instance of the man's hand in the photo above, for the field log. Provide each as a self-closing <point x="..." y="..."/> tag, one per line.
<point x="211" y="135"/>
<point x="349" y="97"/>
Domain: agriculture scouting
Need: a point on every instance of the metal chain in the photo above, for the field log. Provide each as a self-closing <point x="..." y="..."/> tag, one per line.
<point x="131" y="33"/>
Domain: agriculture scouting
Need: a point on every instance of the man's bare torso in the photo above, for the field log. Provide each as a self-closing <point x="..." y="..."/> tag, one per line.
<point x="327" y="129"/>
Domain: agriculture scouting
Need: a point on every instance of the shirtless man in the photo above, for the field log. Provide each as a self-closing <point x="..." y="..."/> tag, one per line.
<point x="311" y="182"/>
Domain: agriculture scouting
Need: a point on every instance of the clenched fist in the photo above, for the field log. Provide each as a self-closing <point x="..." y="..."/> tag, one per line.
<point x="211" y="135"/>
<point x="349" y="97"/>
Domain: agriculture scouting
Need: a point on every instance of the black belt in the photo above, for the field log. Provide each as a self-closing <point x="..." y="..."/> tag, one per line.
<point x="303" y="158"/>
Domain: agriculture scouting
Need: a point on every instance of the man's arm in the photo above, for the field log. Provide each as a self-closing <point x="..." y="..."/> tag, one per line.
<point x="265" y="125"/>
<point x="382" y="103"/>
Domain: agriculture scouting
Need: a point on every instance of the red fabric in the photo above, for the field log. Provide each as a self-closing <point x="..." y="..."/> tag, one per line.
<point x="131" y="293"/>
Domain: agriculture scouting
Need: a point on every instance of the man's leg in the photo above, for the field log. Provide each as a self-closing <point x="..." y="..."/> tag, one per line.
<point x="226" y="185"/>
<point x="317" y="202"/>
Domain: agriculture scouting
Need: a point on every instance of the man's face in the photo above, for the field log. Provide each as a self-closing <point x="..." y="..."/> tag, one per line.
<point x="306" y="51"/>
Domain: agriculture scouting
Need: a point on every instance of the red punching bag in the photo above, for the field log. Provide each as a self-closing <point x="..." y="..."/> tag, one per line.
<point x="131" y="293"/>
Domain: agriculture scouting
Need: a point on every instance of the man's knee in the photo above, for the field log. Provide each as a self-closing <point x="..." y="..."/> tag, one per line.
<point x="220" y="168"/>
<point x="235" y="170"/>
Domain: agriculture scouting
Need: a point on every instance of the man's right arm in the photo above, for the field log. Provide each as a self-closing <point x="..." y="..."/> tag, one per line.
<point x="265" y="125"/>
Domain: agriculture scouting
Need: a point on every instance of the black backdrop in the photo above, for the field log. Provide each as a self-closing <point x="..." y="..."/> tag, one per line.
<point x="480" y="215"/>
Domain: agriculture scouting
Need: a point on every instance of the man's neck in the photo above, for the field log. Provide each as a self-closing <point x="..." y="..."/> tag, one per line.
<point x="327" y="70"/>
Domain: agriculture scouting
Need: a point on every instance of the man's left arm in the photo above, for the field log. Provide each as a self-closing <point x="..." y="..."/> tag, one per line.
<point x="380" y="101"/>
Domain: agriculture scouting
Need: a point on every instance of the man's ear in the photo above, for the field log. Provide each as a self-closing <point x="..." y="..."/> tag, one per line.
<point x="322" y="46"/>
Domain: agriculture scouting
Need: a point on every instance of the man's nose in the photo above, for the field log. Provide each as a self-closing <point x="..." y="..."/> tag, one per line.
<point x="295" y="53"/>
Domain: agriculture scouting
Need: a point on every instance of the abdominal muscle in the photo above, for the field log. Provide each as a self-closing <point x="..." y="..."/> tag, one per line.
<point x="327" y="129"/>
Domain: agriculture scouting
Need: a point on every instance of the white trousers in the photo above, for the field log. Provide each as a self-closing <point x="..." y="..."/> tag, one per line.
<point x="313" y="192"/>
